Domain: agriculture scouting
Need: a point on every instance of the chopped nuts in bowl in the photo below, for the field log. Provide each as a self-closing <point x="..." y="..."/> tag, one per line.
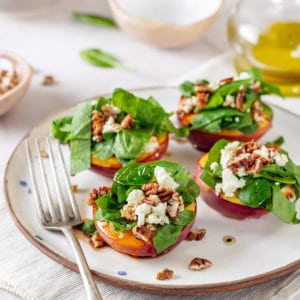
<point x="15" y="76"/>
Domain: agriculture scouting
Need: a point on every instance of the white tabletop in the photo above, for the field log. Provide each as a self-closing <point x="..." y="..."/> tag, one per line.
<point x="51" y="44"/>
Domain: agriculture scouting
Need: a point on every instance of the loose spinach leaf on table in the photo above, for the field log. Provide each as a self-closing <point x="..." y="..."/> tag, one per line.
<point x="100" y="58"/>
<point x="94" y="19"/>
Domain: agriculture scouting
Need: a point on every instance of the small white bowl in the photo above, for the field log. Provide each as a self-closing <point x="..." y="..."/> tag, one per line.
<point x="166" y="23"/>
<point x="11" y="98"/>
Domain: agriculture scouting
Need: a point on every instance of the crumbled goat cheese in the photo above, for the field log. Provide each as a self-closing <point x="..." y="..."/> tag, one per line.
<point x="164" y="179"/>
<point x="264" y="152"/>
<point x="213" y="85"/>
<point x="188" y="104"/>
<point x="135" y="197"/>
<point x="229" y="101"/>
<point x="280" y="159"/>
<point x="111" y="126"/>
<point x="158" y="215"/>
<point x="227" y="153"/>
<point x="230" y="183"/>
<point x="242" y="76"/>
<point x="115" y="110"/>
<point x="141" y="211"/>
<point x="152" y="145"/>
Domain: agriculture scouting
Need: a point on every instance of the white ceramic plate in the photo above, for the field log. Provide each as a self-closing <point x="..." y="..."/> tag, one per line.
<point x="265" y="248"/>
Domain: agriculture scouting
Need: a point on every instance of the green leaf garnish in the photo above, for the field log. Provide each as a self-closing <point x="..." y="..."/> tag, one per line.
<point x="94" y="19"/>
<point x="100" y="58"/>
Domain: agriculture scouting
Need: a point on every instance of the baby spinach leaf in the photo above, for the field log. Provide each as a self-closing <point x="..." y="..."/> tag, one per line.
<point x="94" y="19"/>
<point x="278" y="141"/>
<point x="88" y="227"/>
<point x="215" y="153"/>
<point x="255" y="74"/>
<point x="232" y="87"/>
<point x="168" y="234"/>
<point x="130" y="144"/>
<point x="268" y="88"/>
<point x="215" y="100"/>
<point x="205" y="117"/>
<point x="80" y="157"/>
<point x="187" y="88"/>
<point x="100" y="58"/>
<point x="135" y="173"/>
<point x="282" y="207"/>
<point x="61" y="129"/>
<point x="255" y="192"/>
<point x="104" y="150"/>
<point x="187" y="187"/>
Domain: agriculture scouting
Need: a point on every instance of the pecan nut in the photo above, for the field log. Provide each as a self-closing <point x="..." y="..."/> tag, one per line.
<point x="198" y="264"/>
<point x="165" y="274"/>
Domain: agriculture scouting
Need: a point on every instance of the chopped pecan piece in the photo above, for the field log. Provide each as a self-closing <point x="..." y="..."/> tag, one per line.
<point x="96" y="193"/>
<point x="97" y="241"/>
<point x="201" y="99"/>
<point x="202" y="88"/>
<point x="196" y="235"/>
<point x="153" y="188"/>
<point x="257" y="112"/>
<point x="240" y="99"/>
<point x="143" y="233"/>
<point x="48" y="80"/>
<point x="127" y="122"/>
<point x="128" y="212"/>
<point x="198" y="264"/>
<point x="226" y="80"/>
<point x="165" y="274"/>
<point x="98" y="120"/>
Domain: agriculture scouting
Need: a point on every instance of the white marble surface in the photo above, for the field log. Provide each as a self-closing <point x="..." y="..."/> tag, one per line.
<point x="51" y="43"/>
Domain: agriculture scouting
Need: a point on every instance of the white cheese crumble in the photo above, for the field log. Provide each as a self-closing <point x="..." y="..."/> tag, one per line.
<point x="227" y="153"/>
<point x="213" y="85"/>
<point x="242" y="76"/>
<point x="280" y="159"/>
<point x="141" y="211"/>
<point x="229" y="101"/>
<point x="230" y="183"/>
<point x="152" y="145"/>
<point x="188" y="104"/>
<point x="164" y="179"/>
<point x="111" y="126"/>
<point x="158" y="215"/>
<point x="135" y="197"/>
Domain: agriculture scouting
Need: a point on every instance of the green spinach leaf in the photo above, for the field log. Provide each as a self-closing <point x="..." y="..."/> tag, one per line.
<point x="94" y="19"/>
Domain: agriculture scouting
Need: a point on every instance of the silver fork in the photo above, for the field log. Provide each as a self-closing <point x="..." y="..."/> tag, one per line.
<point x="62" y="216"/>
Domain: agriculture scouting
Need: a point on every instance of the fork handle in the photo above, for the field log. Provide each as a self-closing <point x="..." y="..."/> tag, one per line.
<point x="87" y="278"/>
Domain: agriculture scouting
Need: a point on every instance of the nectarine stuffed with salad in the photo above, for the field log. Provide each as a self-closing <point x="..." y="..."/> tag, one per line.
<point x="107" y="133"/>
<point x="148" y="210"/>
<point x="248" y="179"/>
<point x="231" y="109"/>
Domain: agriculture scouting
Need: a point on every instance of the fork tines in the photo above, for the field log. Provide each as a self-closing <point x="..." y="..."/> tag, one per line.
<point x="59" y="206"/>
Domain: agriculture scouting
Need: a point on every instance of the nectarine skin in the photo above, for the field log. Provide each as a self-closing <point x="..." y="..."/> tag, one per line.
<point x="109" y="167"/>
<point x="127" y="243"/>
<point x="224" y="207"/>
